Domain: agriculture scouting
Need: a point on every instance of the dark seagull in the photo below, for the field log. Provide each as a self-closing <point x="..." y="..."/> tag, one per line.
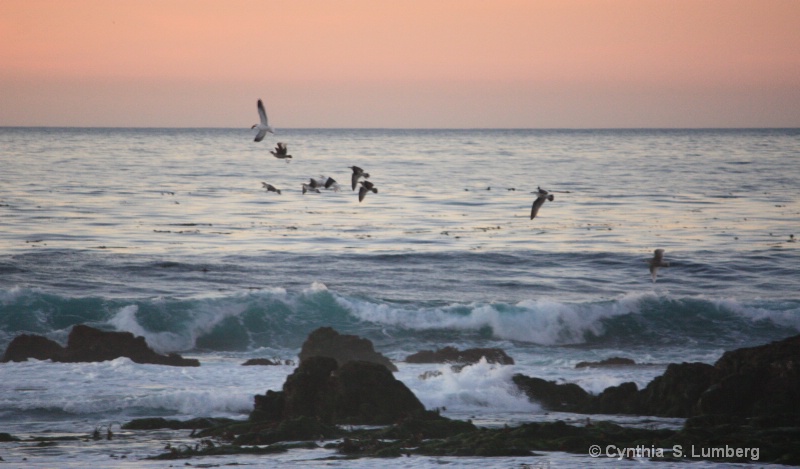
<point x="263" y="126"/>
<point x="281" y="151"/>
<point x="357" y="174"/>
<point x="366" y="186"/>
<point x="656" y="262"/>
<point x="542" y="195"/>
<point x="270" y="188"/>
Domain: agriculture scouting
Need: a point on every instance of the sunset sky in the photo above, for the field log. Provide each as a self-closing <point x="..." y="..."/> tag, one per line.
<point x="410" y="63"/>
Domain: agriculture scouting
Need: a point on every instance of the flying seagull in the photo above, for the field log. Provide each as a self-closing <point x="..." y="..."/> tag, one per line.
<point x="281" y="152"/>
<point x="310" y="187"/>
<point x="270" y="188"/>
<point x="366" y="186"/>
<point x="542" y="195"/>
<point x="324" y="182"/>
<point x="263" y="126"/>
<point x="357" y="174"/>
<point x="656" y="262"/>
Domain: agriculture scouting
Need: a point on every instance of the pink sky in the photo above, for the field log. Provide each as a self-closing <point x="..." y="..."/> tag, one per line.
<point x="410" y="63"/>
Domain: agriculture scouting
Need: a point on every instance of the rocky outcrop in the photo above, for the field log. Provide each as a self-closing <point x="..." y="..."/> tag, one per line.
<point x="758" y="382"/>
<point x="356" y="392"/>
<point x="264" y="362"/>
<point x="567" y="397"/>
<point x="613" y="361"/>
<point x="453" y="355"/>
<point x="327" y="342"/>
<point x="87" y="344"/>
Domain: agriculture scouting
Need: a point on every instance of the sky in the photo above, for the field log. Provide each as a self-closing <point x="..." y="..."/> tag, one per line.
<point x="401" y="64"/>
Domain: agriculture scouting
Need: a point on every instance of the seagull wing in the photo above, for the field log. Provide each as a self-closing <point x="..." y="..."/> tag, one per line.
<point x="362" y="193"/>
<point x="262" y="113"/>
<point x="260" y="135"/>
<point x="537" y="204"/>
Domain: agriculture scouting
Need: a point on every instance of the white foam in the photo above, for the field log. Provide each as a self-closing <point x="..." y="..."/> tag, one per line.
<point x="205" y="317"/>
<point x="481" y="385"/>
<point x="786" y="318"/>
<point x="541" y="321"/>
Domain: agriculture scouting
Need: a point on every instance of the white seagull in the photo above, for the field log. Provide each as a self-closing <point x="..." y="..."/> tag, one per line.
<point x="263" y="126"/>
<point x="656" y="262"/>
<point x="540" y="198"/>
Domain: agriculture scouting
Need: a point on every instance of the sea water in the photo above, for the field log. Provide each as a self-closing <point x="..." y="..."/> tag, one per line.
<point x="168" y="233"/>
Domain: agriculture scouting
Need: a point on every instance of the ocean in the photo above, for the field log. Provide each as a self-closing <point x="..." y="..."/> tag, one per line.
<point x="169" y="234"/>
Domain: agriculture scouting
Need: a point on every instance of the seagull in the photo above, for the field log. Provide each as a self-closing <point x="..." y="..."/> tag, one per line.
<point x="310" y="187"/>
<point x="281" y="152"/>
<point x="270" y="188"/>
<point x="263" y="126"/>
<point x="540" y="198"/>
<point x="656" y="262"/>
<point x="325" y="182"/>
<point x="366" y="186"/>
<point x="357" y="173"/>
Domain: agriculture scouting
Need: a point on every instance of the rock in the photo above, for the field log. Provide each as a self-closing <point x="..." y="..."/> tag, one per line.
<point x="676" y="393"/>
<point x="261" y="362"/>
<point x="613" y="361"/>
<point x="357" y="392"/>
<point x="155" y="423"/>
<point x="756" y="381"/>
<point x="453" y="355"/>
<point x="87" y="344"/>
<point x="26" y="346"/>
<point x="326" y="342"/>
<point x="552" y="396"/>
<point x="622" y="399"/>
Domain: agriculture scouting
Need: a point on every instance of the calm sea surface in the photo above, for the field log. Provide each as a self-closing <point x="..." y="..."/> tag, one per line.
<point x="168" y="233"/>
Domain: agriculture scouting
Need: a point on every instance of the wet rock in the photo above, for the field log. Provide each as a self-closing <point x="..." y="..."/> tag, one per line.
<point x="327" y="342"/>
<point x="357" y="392"/>
<point x="156" y="423"/>
<point x="453" y="355"/>
<point x="567" y="397"/>
<point x="87" y="344"/>
<point x="261" y="362"/>
<point x="676" y="393"/>
<point x="26" y="346"/>
<point x="756" y="381"/>
<point x="613" y="361"/>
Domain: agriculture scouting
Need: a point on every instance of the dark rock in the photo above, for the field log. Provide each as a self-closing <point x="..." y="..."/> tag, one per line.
<point x="613" y="361"/>
<point x="756" y="381"/>
<point x="26" y="346"/>
<point x="552" y="396"/>
<point x="156" y="423"/>
<point x="677" y="392"/>
<point x="356" y="393"/>
<point x="326" y="342"/>
<point x="87" y="344"/>
<point x="261" y="362"/>
<point x="622" y="399"/>
<point x="453" y="355"/>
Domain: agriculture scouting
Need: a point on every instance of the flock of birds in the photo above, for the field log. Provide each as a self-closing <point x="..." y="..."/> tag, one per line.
<point x="281" y="151"/>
